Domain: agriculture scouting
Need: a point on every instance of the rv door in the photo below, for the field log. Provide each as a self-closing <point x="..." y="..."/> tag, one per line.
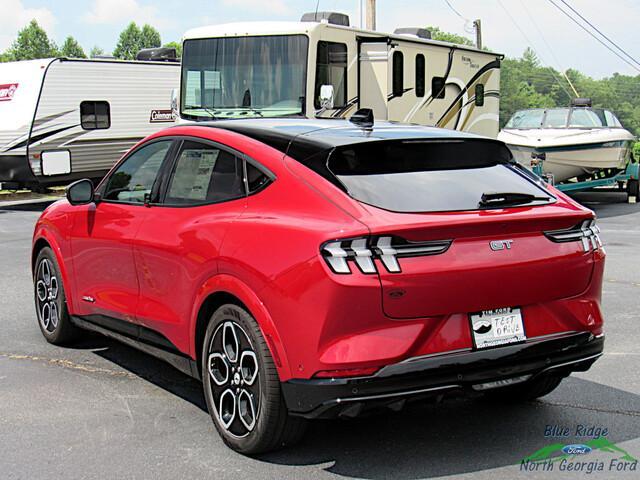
<point x="374" y="57"/>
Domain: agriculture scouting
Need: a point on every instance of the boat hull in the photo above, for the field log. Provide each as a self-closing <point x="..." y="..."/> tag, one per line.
<point x="568" y="153"/>
<point x="566" y="163"/>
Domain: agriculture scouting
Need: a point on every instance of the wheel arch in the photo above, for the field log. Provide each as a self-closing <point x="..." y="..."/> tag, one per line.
<point x="38" y="245"/>
<point x="223" y="289"/>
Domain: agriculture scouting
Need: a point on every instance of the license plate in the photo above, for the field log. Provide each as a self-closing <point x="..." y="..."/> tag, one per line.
<point x="492" y="328"/>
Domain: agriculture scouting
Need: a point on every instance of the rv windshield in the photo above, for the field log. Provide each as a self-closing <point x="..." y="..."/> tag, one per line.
<point x="243" y="77"/>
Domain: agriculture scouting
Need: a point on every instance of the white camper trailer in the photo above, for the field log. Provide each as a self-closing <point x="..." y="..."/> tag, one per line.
<point x="63" y="119"/>
<point x="321" y="67"/>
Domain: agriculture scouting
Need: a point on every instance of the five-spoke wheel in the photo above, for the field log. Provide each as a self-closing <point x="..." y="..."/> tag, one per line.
<point x="233" y="368"/>
<point x="242" y="386"/>
<point x="51" y="305"/>
<point x="47" y="295"/>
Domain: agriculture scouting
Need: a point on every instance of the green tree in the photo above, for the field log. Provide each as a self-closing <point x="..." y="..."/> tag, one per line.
<point x="129" y="42"/>
<point x="177" y="46"/>
<point x="72" y="49"/>
<point x="96" y="51"/>
<point x="133" y="39"/>
<point x="149" y="37"/>
<point x="32" y="42"/>
<point x="437" y="34"/>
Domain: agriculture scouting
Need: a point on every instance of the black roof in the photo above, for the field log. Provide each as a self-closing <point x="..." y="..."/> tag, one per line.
<point x="312" y="141"/>
<point x="301" y="138"/>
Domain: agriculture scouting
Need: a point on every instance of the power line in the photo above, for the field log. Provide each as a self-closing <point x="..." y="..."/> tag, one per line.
<point x="593" y="35"/>
<point x="600" y="32"/>
<point x="513" y="20"/>
<point x="535" y="24"/>
<point x="456" y="11"/>
<point x="466" y="20"/>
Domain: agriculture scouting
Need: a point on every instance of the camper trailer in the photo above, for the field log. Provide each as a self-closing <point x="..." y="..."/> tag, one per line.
<point x="322" y="67"/>
<point x="64" y="119"/>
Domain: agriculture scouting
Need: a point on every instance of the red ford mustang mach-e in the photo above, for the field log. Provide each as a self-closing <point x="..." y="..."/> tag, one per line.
<point x="307" y="269"/>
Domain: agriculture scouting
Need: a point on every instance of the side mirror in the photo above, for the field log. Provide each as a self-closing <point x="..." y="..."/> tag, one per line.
<point x="174" y="102"/>
<point x="326" y="96"/>
<point x="80" y="192"/>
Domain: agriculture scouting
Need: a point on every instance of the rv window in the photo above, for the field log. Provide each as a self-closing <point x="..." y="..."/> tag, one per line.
<point x="331" y="69"/>
<point x="420" y="74"/>
<point x="437" y="87"/>
<point x="398" y="74"/>
<point x="205" y="174"/>
<point x="479" y="95"/>
<point x="95" y="115"/>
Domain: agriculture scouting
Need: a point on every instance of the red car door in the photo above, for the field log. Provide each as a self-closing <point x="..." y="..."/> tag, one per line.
<point x="177" y="247"/>
<point x="102" y="236"/>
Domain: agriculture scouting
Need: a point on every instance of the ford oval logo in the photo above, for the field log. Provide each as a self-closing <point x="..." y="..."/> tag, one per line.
<point x="576" y="449"/>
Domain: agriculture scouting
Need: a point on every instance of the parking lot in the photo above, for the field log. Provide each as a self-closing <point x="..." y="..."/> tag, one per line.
<point x="104" y="410"/>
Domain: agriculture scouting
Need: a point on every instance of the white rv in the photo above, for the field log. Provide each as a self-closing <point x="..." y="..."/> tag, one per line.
<point x="63" y="119"/>
<point x="321" y="67"/>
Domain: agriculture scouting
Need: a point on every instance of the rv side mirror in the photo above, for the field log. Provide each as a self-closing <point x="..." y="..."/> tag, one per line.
<point x="326" y="96"/>
<point x="174" y="102"/>
<point x="80" y="192"/>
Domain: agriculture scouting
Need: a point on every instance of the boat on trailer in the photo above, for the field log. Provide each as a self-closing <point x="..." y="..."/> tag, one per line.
<point x="577" y="142"/>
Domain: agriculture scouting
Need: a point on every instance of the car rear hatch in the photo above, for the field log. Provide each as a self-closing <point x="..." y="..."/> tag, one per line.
<point x="457" y="227"/>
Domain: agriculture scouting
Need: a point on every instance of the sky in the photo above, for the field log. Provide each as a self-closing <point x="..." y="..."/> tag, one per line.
<point x="508" y="26"/>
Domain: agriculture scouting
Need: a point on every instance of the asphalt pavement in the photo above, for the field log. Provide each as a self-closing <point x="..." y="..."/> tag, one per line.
<point x="103" y="410"/>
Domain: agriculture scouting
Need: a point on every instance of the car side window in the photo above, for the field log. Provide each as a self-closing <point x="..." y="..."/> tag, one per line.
<point x="205" y="174"/>
<point x="133" y="180"/>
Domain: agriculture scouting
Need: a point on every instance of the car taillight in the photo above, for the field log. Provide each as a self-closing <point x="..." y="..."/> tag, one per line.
<point x="585" y="232"/>
<point x="364" y="250"/>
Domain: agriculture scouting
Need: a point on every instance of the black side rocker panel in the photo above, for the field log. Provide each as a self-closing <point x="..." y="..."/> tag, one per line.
<point x="142" y="338"/>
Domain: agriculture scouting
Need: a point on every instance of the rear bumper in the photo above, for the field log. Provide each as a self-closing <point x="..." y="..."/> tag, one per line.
<point x="435" y="375"/>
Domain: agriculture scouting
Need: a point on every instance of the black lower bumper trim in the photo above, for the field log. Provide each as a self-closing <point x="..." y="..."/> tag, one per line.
<point x="434" y="375"/>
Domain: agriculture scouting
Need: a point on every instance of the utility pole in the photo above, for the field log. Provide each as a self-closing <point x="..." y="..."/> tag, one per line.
<point x="478" y="26"/>
<point x="371" y="15"/>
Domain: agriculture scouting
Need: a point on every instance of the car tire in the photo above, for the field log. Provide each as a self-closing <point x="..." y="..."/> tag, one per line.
<point x="530" y="390"/>
<point x="51" y="302"/>
<point x="242" y="386"/>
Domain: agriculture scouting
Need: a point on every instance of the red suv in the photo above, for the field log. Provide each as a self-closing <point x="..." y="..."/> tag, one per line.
<point x="307" y="269"/>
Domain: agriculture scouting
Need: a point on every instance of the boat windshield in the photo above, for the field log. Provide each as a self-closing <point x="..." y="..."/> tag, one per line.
<point x="578" y="117"/>
<point x="243" y="77"/>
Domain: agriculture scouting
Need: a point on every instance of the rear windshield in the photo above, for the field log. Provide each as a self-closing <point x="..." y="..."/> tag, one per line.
<point x="428" y="176"/>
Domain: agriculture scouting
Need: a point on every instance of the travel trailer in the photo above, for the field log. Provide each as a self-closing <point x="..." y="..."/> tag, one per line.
<point x="322" y="67"/>
<point x="63" y="119"/>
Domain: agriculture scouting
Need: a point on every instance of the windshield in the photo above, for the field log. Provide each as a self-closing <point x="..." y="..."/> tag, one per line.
<point x="579" y="117"/>
<point x="243" y="77"/>
<point x="526" y="119"/>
